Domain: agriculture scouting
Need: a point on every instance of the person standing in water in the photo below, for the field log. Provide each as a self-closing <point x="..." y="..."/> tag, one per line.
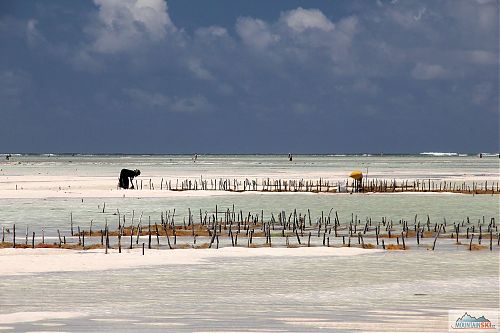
<point x="127" y="174"/>
<point x="290" y="157"/>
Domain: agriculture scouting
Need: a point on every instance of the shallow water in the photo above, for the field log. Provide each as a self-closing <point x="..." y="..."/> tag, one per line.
<point x="51" y="209"/>
<point x="260" y="166"/>
<point x="392" y="291"/>
<point x="341" y="294"/>
<point x="54" y="213"/>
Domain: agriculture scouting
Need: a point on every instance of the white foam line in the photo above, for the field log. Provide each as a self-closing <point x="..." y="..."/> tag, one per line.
<point x="114" y="320"/>
<point x="45" y="332"/>
<point x="49" y="324"/>
<point x="31" y="261"/>
<point x="26" y="317"/>
<point x="161" y="324"/>
<point x="250" y="330"/>
<point x="407" y="325"/>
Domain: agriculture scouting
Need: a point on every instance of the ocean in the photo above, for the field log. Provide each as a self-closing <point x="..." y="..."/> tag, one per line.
<point x="51" y="188"/>
<point x="403" y="291"/>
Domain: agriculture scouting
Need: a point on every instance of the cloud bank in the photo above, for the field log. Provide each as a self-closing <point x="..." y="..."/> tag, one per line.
<point x="391" y="76"/>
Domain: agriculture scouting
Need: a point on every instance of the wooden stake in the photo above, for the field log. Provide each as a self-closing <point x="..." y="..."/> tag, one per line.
<point x="59" y="235"/>
<point x="119" y="242"/>
<point x="435" y="239"/>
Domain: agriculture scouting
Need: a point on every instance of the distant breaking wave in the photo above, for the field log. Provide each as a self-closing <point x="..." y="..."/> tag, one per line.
<point x="123" y="155"/>
<point x="439" y="154"/>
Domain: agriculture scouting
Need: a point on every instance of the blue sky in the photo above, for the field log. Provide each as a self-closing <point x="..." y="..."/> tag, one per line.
<point x="237" y="76"/>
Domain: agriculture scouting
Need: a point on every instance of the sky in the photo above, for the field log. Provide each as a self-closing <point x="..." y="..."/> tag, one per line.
<point x="238" y="76"/>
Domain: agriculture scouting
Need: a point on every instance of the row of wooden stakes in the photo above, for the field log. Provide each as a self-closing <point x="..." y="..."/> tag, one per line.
<point x="289" y="226"/>
<point x="321" y="185"/>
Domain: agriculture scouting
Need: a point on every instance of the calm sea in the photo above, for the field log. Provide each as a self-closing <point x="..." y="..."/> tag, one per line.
<point x="73" y="185"/>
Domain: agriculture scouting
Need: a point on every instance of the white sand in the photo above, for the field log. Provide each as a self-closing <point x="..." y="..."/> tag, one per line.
<point x="49" y="324"/>
<point x="66" y="186"/>
<point x="25" y="317"/>
<point x="30" y="261"/>
<point x="46" y="332"/>
<point x="29" y="186"/>
<point x="384" y="324"/>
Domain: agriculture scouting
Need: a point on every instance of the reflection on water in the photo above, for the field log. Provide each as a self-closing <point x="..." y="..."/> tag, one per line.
<point x="399" y="291"/>
<point x="177" y="166"/>
<point x="54" y="213"/>
<point x="99" y="173"/>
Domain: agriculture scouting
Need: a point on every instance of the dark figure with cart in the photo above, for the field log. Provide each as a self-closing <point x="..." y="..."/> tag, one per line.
<point x="126" y="175"/>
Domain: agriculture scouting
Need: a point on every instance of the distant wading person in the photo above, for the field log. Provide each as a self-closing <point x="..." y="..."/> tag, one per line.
<point x="125" y="174"/>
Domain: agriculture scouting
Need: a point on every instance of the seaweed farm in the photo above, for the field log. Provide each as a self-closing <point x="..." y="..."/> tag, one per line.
<point x="252" y="242"/>
<point x="249" y="166"/>
<point x="292" y="229"/>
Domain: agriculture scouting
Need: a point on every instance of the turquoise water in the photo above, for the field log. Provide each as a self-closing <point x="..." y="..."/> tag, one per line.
<point x="54" y="213"/>
<point x="408" y="291"/>
<point x="261" y="166"/>
<point x="51" y="210"/>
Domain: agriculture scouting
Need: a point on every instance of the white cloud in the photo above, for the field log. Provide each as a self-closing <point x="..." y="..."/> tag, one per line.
<point x="428" y="71"/>
<point x="196" y="67"/>
<point x="341" y="44"/>
<point x="212" y="31"/>
<point x="475" y="15"/>
<point x="488" y="15"/>
<point x="124" y="23"/>
<point x="407" y="17"/>
<point x="303" y="19"/>
<point x="255" y="33"/>
<point x="33" y="36"/>
<point x="345" y="32"/>
<point x="420" y="14"/>
<point x="301" y="35"/>
<point x="82" y="60"/>
<point x="348" y="25"/>
<point x="482" y="57"/>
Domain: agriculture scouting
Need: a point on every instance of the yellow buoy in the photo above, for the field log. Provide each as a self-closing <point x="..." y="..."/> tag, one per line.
<point x="358" y="175"/>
